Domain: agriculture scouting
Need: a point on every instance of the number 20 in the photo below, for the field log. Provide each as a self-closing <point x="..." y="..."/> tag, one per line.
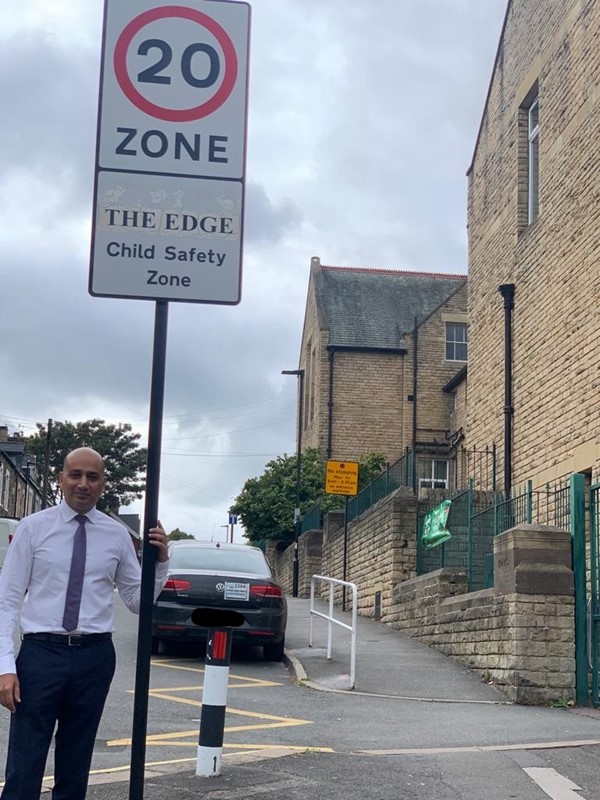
<point x="151" y="74"/>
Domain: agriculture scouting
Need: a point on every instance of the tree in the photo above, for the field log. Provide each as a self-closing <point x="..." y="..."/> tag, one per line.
<point x="370" y="466"/>
<point x="176" y="535"/>
<point x="266" y="504"/>
<point x="125" y="460"/>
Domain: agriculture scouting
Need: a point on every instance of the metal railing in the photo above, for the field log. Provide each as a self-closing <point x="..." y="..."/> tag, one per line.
<point x="313" y="520"/>
<point x="477" y="467"/>
<point x="477" y="517"/>
<point x="393" y="477"/>
<point x="331" y="620"/>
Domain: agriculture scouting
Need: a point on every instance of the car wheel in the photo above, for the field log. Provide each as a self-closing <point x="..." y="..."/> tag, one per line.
<point x="274" y="651"/>
<point x="155" y="646"/>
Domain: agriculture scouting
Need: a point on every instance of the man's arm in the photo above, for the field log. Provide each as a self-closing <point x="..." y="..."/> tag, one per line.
<point x="128" y="574"/>
<point x="14" y="579"/>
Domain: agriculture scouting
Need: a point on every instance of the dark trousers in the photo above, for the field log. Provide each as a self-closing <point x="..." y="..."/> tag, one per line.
<point x="64" y="685"/>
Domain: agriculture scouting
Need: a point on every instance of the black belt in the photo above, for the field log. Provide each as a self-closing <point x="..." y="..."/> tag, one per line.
<point x="69" y="639"/>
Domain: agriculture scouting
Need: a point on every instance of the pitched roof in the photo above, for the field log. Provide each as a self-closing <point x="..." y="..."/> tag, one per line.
<point x="375" y="308"/>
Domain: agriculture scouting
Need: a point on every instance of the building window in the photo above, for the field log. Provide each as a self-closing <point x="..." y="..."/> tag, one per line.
<point x="313" y="380"/>
<point x="533" y="160"/>
<point x="307" y="386"/>
<point x="6" y="489"/>
<point x="433" y="474"/>
<point x="456" y="341"/>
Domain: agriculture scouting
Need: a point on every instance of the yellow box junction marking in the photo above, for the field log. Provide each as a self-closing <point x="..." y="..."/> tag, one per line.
<point x="265" y="721"/>
<point x="244" y="684"/>
<point x="272" y="721"/>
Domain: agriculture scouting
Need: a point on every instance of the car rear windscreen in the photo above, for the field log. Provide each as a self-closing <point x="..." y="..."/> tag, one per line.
<point x="219" y="560"/>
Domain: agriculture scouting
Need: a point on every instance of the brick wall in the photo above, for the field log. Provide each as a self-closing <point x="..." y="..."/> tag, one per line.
<point x="552" y="262"/>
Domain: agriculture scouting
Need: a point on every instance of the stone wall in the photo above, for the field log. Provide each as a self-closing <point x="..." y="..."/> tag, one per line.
<point x="552" y="48"/>
<point x="520" y="634"/>
<point x="434" y="371"/>
<point x="381" y="549"/>
<point x="369" y="393"/>
<point x="314" y="360"/>
<point x="309" y="562"/>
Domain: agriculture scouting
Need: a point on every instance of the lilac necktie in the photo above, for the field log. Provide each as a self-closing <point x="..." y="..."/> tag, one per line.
<point x="75" y="585"/>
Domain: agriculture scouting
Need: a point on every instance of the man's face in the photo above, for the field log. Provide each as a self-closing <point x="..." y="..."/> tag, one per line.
<point x="82" y="480"/>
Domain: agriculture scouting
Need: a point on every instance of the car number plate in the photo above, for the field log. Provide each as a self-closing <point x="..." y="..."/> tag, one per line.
<point x="237" y="591"/>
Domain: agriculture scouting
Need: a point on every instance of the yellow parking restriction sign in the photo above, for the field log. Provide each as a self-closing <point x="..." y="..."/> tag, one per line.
<point x="341" y="477"/>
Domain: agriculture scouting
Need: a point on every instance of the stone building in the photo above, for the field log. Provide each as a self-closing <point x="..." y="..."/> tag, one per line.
<point x="20" y="492"/>
<point x="534" y="187"/>
<point x="362" y="328"/>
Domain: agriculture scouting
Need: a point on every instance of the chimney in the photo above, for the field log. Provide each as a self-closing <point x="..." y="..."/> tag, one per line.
<point x="3" y="433"/>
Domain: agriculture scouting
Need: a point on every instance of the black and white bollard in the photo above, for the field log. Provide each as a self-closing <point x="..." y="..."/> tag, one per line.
<point x="214" y="702"/>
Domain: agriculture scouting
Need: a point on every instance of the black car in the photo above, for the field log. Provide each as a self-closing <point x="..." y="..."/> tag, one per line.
<point x="233" y="577"/>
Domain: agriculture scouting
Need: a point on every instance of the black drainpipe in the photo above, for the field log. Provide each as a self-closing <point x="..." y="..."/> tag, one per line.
<point x="414" y="415"/>
<point x="507" y="290"/>
<point x="330" y="405"/>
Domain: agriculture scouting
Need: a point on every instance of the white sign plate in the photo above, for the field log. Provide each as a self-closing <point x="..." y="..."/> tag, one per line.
<point x="168" y="204"/>
<point x="237" y="591"/>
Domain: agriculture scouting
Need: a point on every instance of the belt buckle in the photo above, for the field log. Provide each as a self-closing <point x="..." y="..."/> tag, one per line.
<point x="74" y="640"/>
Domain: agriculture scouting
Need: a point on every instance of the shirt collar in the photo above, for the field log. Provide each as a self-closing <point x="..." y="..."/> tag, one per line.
<point x="68" y="514"/>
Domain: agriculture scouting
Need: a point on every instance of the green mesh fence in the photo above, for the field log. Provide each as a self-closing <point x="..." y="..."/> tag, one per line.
<point x="487" y="515"/>
<point x="468" y="547"/>
<point x="396" y="475"/>
<point x="312" y="521"/>
<point x="594" y="611"/>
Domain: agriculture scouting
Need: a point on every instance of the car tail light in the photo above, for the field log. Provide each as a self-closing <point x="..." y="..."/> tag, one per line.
<point x="176" y="585"/>
<point x="266" y="590"/>
<point x="171" y="627"/>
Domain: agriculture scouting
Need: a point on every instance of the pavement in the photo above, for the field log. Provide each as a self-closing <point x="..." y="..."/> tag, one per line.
<point x="388" y="664"/>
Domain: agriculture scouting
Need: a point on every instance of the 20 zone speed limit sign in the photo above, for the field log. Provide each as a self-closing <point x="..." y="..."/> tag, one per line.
<point x="171" y="151"/>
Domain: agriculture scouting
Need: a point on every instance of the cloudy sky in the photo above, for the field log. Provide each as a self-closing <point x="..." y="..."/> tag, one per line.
<point x="362" y="122"/>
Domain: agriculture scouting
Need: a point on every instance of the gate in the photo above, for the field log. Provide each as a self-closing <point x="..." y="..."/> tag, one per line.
<point x="594" y="601"/>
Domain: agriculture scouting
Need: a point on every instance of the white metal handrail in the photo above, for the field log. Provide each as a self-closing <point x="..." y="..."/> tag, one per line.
<point x="332" y="621"/>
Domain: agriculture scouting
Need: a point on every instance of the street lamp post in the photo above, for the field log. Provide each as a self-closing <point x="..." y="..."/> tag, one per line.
<point x="300" y="375"/>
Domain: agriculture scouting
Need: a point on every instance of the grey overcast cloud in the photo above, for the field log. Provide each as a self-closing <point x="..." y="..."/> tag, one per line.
<point x="362" y="121"/>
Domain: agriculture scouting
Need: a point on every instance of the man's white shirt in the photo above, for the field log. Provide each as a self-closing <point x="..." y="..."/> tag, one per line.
<point x="34" y="578"/>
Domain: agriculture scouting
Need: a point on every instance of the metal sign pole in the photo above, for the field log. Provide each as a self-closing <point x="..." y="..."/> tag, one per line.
<point x="149" y="553"/>
<point x="345" y="564"/>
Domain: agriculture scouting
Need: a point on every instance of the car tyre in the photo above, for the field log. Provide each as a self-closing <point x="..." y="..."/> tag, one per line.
<point x="274" y="651"/>
<point x="155" y="646"/>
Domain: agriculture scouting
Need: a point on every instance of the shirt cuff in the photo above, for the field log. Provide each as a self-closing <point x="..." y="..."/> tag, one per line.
<point x="7" y="665"/>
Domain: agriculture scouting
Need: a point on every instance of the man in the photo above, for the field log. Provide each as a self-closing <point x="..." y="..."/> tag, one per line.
<point x="58" y="579"/>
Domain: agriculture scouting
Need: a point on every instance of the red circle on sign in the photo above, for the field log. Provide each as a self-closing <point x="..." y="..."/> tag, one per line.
<point x="175" y="114"/>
